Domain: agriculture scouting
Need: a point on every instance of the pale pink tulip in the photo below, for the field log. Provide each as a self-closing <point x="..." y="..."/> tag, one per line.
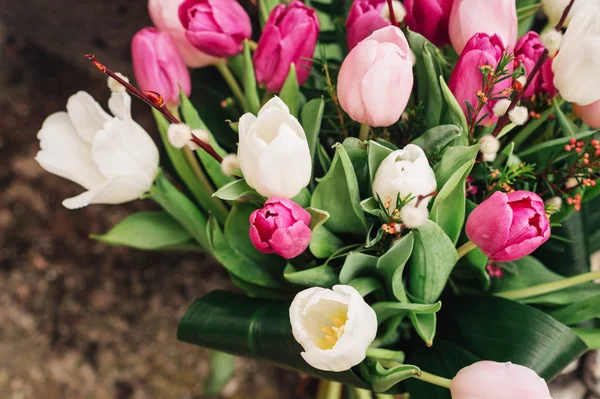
<point x="589" y="114"/>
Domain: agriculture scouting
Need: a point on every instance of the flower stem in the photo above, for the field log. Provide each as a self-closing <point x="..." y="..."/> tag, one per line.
<point x="547" y="288"/>
<point x="466" y="248"/>
<point x="252" y="44"/>
<point x="361" y="394"/>
<point x="233" y="84"/>
<point x="334" y="390"/>
<point x="363" y="135"/>
<point x="434" y="379"/>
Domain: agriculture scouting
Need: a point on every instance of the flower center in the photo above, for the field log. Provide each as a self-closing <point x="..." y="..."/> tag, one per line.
<point x="332" y="332"/>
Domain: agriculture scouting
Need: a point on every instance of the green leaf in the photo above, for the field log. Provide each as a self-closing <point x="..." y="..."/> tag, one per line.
<point x="323" y="157"/>
<point x="338" y="194"/>
<point x="358" y="265"/>
<point x="387" y="310"/>
<point x="426" y="326"/>
<point x="312" y="114"/>
<point x="322" y="276"/>
<point x="238" y="189"/>
<point x="324" y="243"/>
<point x="367" y="285"/>
<point x="568" y="127"/>
<point x="372" y="207"/>
<point x="318" y="217"/>
<point x="357" y="152"/>
<point x="578" y="312"/>
<point x="290" y="92"/>
<point x="257" y="291"/>
<point x="221" y="369"/>
<point x="455" y="114"/>
<point x="591" y="337"/>
<point x="453" y="158"/>
<point x="554" y="145"/>
<point x="377" y="153"/>
<point x="383" y="379"/>
<point x="438" y="137"/>
<point x="432" y="261"/>
<point x="392" y="264"/>
<point x="303" y="198"/>
<point x="249" y="79"/>
<point x="433" y="104"/>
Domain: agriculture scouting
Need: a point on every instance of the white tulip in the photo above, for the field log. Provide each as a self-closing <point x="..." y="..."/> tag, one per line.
<point x="273" y="151"/>
<point x="113" y="158"/>
<point x="405" y="172"/>
<point x="335" y="327"/>
<point x="578" y="61"/>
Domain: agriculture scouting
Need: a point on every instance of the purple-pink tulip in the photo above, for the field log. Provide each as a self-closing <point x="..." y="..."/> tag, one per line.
<point x="589" y="114"/>
<point x="216" y="27"/>
<point x="290" y="36"/>
<point x="165" y="16"/>
<point x="429" y="18"/>
<point x="491" y="380"/>
<point x="376" y="78"/>
<point x="507" y="227"/>
<point x="494" y="17"/>
<point x="467" y="79"/>
<point x="528" y="51"/>
<point x="159" y="66"/>
<point x="280" y="227"/>
<point x="364" y="18"/>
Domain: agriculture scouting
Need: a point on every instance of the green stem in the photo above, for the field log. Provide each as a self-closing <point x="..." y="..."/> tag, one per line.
<point x="252" y="44"/>
<point x="334" y="390"/>
<point x="364" y="131"/>
<point x="361" y="394"/>
<point x="434" y="379"/>
<point x="233" y="84"/>
<point x="322" y="390"/>
<point x="383" y="396"/>
<point x="547" y="288"/>
<point x="465" y="249"/>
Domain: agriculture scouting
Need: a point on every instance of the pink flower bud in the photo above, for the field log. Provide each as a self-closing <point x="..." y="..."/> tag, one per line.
<point x="216" y="27"/>
<point x="510" y="226"/>
<point x="429" y="18"/>
<point x="158" y="65"/>
<point x="280" y="227"/>
<point x="290" y="36"/>
<point x="491" y="380"/>
<point x="528" y="51"/>
<point x="376" y="78"/>
<point x="165" y="16"/>
<point x="497" y="17"/>
<point x="467" y="78"/>
<point x="589" y="114"/>
<point x="364" y="18"/>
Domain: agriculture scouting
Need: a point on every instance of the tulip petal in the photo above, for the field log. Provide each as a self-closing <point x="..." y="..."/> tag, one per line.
<point x="87" y="115"/>
<point x="489" y="224"/>
<point x="292" y="241"/>
<point x="120" y="105"/>
<point x="114" y="191"/>
<point x="274" y="103"/>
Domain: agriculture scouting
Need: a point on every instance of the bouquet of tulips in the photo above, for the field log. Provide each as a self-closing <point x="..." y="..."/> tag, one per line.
<point x="405" y="194"/>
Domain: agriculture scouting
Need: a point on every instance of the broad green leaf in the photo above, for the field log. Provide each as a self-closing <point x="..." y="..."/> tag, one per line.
<point x="312" y="114"/>
<point x="257" y="291"/>
<point x="434" y="103"/>
<point x="439" y="136"/>
<point x="318" y="217"/>
<point x="249" y="79"/>
<point x="367" y="285"/>
<point x="303" y="198"/>
<point x="568" y="127"/>
<point x="383" y="379"/>
<point x="392" y="264"/>
<point x="357" y="152"/>
<point x="264" y="10"/>
<point x="377" y="153"/>
<point x="425" y="324"/>
<point x="431" y="263"/>
<point x="372" y="207"/>
<point x="221" y="369"/>
<point x="455" y="114"/>
<point x="323" y="158"/>
<point x="453" y="158"/>
<point x="591" y="337"/>
<point x="357" y="265"/>
<point x="322" y="276"/>
<point x="238" y="189"/>
<point x="578" y="312"/>
<point x="290" y="92"/>
<point x="324" y="243"/>
<point x="526" y="15"/>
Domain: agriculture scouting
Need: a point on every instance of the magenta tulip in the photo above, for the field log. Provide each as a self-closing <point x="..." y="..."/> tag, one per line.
<point x="165" y="16"/>
<point x="494" y="17"/>
<point x="376" y="78"/>
<point x="528" y="51"/>
<point x="491" y="380"/>
<point x="364" y="18"/>
<point x="216" y="27"/>
<point x="280" y="227"/>
<point x="429" y="18"/>
<point x="159" y="66"/>
<point x="509" y="226"/>
<point x="290" y="36"/>
<point x="589" y="114"/>
<point x="467" y="79"/>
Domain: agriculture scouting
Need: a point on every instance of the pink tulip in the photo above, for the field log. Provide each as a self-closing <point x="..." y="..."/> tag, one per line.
<point x="158" y="65"/>
<point x="491" y="380"/>
<point x="280" y="227"/>
<point x="429" y="18"/>
<point x="469" y="17"/>
<point x="216" y="27"/>
<point x="467" y="78"/>
<point x="364" y="18"/>
<point x="290" y="36"/>
<point x="509" y="226"/>
<point x="589" y="114"/>
<point x="528" y="51"/>
<point x="165" y="16"/>
<point x="376" y="78"/>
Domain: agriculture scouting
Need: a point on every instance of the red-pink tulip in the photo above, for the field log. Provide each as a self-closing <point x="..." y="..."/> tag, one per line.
<point x="589" y="114"/>
<point x="158" y="65"/>
<point x="467" y="78"/>
<point x="491" y="380"/>
<point x="376" y="78"/>
<point x="216" y="27"/>
<point x="528" y="51"/>
<point x="494" y="17"/>
<point x="280" y="227"/>
<point x="364" y="18"/>
<point x="509" y="226"/>
<point x="290" y="36"/>
<point x="429" y="18"/>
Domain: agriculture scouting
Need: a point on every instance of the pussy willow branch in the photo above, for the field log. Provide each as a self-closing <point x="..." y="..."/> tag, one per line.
<point x="392" y="15"/>
<point x="504" y="120"/>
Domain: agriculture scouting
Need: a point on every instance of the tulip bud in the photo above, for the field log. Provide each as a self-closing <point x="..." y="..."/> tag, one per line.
<point x="589" y="114"/>
<point x="576" y="66"/>
<point x="429" y="18"/>
<point x="158" y="66"/>
<point x="289" y="36"/>
<point x="335" y="327"/>
<point x="216" y="27"/>
<point x="406" y="173"/>
<point x="273" y="151"/>
<point x="509" y="226"/>
<point x="280" y="227"/>
<point x="467" y="80"/>
<point x="165" y="17"/>
<point x="469" y="17"/>
<point x="491" y="380"/>
<point x="364" y="18"/>
<point x="376" y="78"/>
<point x="528" y="51"/>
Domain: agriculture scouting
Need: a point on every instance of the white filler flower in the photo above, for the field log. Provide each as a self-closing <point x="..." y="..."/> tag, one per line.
<point x="273" y="151"/>
<point x="335" y="327"/>
<point x="113" y="158"/>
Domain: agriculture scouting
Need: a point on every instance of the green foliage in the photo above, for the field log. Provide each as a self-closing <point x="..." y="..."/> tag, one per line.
<point x="454" y="114"/>
<point x="238" y="189"/>
<point x="290" y="92"/>
<point x="438" y="137"/>
<point x="453" y="159"/>
<point x="221" y="369"/>
<point x="322" y="276"/>
<point x="312" y="115"/>
<point x="249" y="79"/>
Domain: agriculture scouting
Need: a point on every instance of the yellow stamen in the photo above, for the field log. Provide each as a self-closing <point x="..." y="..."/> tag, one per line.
<point x="337" y="322"/>
<point x="330" y="339"/>
<point x="328" y="331"/>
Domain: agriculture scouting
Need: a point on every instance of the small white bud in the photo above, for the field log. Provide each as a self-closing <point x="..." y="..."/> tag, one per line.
<point x="551" y="41"/>
<point x="202" y="135"/>
<point x="489" y="144"/>
<point x="554" y="202"/>
<point x="193" y="146"/>
<point x="230" y="165"/>
<point x="413" y="217"/>
<point x="179" y="135"/>
<point x="399" y="12"/>
<point x="501" y="107"/>
<point x="115" y="86"/>
<point x="519" y="115"/>
<point x="490" y="157"/>
<point x="571" y="183"/>
<point x="522" y="79"/>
